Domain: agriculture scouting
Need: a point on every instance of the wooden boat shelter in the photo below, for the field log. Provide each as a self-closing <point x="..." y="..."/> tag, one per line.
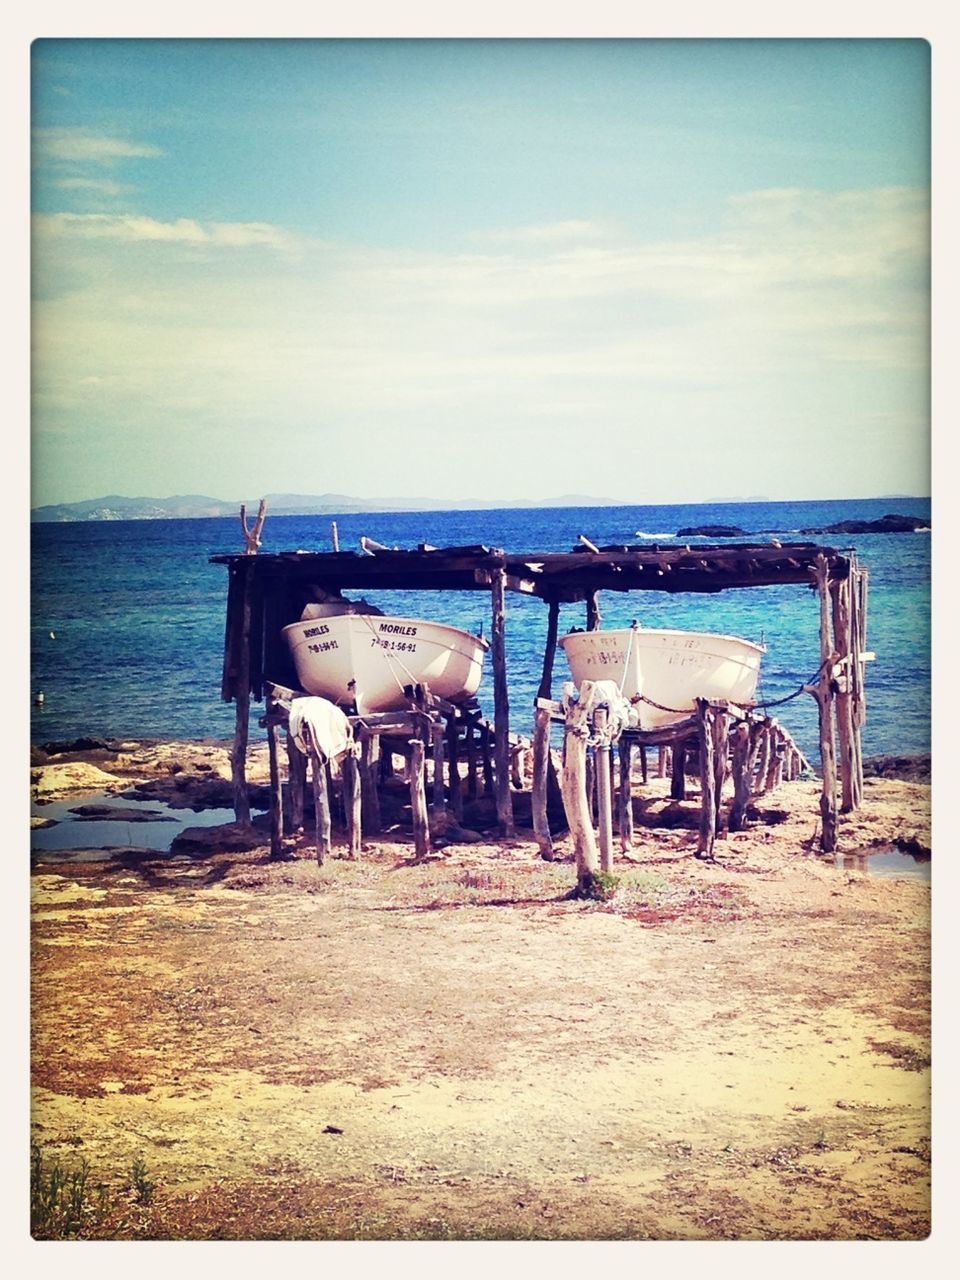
<point x="268" y="591"/>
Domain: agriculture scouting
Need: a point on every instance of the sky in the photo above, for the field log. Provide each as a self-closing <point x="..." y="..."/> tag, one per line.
<point x="649" y="270"/>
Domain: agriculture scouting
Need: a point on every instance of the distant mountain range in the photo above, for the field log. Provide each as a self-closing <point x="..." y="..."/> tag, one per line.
<point x="194" y="506"/>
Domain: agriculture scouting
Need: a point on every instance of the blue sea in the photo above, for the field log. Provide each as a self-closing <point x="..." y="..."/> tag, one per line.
<point x="127" y="623"/>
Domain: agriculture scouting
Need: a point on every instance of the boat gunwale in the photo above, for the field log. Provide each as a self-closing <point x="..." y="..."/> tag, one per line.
<point x="393" y="618"/>
<point x="665" y="631"/>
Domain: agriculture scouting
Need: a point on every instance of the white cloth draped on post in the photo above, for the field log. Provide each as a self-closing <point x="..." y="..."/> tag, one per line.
<point x="320" y="725"/>
<point x="621" y="714"/>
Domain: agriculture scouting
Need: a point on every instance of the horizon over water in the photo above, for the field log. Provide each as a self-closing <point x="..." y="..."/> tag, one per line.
<point x="127" y="617"/>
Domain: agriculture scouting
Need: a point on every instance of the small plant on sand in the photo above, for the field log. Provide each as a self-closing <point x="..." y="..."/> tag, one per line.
<point x="597" y="886"/>
<point x="140" y="1183"/>
<point x="62" y="1201"/>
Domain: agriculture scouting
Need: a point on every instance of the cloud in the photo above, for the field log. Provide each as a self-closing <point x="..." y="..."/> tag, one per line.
<point x="80" y="146"/>
<point x="796" y="328"/>
<point x="134" y="228"/>
<point x="100" y="186"/>
<point x="547" y="234"/>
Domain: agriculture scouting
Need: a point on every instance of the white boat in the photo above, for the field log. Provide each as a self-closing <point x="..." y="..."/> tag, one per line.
<point x="367" y="658"/>
<point x="667" y="668"/>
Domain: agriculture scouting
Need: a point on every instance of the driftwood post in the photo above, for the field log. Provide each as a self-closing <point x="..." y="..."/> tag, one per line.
<point x="321" y="806"/>
<point x="708" y="781"/>
<point x="579" y="820"/>
<point x="241" y="656"/>
<point x="593" y="611"/>
<point x="625" y="751"/>
<point x="252" y="536"/>
<point x="773" y="766"/>
<point x="296" y="783"/>
<point x="538" y="799"/>
<point x="601" y="725"/>
<point x="453" y="765"/>
<point x="740" y="756"/>
<point x="721" y="721"/>
<point x="501" y="703"/>
<point x="439" y="793"/>
<point x="841" y="593"/>
<point x="418" y="799"/>
<point x="822" y="691"/>
<point x="678" y="778"/>
<point x="369" y="791"/>
<point x="276" y="786"/>
<point x="352" y="803"/>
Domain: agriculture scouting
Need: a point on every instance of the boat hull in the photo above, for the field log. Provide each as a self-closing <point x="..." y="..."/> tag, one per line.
<point x="668" y="668"/>
<point x="367" y="660"/>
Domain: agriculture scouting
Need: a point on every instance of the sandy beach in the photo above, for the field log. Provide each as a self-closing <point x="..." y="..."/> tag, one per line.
<point x="452" y="1049"/>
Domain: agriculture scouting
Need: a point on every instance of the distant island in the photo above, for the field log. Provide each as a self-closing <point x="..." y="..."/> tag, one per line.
<point x="196" y="506"/>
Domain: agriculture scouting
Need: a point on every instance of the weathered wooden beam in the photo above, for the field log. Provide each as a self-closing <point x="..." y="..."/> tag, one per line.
<point x="418" y="798"/>
<point x="593" y="611"/>
<point x="625" y="752"/>
<point x="708" y="782"/>
<point x="573" y="786"/>
<point x="823" y="693"/>
<point x="538" y="797"/>
<point x="321" y="807"/>
<point x="369" y="791"/>
<point x="843" y="643"/>
<point x="741" y="778"/>
<point x="296" y="783"/>
<point x="276" y="789"/>
<point x="602" y="771"/>
<point x="352" y="803"/>
<point x="501" y="705"/>
<point x="238" y="751"/>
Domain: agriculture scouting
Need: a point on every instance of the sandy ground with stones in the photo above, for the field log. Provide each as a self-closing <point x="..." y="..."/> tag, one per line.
<point x="452" y="1049"/>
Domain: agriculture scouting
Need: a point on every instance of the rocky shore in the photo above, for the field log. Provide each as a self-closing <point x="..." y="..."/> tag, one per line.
<point x="454" y="1049"/>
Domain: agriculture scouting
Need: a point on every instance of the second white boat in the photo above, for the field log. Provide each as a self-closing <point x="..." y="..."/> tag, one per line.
<point x="670" y="669"/>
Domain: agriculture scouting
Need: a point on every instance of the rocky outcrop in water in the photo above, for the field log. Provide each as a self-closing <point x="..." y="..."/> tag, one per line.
<point x="712" y="531"/>
<point x="886" y="524"/>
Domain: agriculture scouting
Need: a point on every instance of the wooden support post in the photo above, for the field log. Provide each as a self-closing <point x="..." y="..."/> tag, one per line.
<point x="601" y="718"/>
<point x="321" y="806"/>
<point x="238" y="752"/>
<point x="593" y="611"/>
<point x="708" y="781"/>
<point x="575" y="793"/>
<point x="352" y="803"/>
<point x="823" y="692"/>
<point x="741" y="777"/>
<point x="843" y="643"/>
<point x="296" y="783"/>
<point x="643" y="764"/>
<point x="487" y="758"/>
<point x="470" y="744"/>
<point x="678" y="783"/>
<point x="772" y="756"/>
<point x="439" y="792"/>
<point x="538" y="797"/>
<point x="721" y="722"/>
<point x="764" y="748"/>
<point x="625" y="752"/>
<point x="369" y="791"/>
<point x="663" y="760"/>
<point x="453" y="767"/>
<point x="550" y="649"/>
<point x="276" y="787"/>
<point x="418" y="799"/>
<point x="501" y="714"/>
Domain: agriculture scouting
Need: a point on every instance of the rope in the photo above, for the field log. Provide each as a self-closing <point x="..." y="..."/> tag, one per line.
<point x="776" y="702"/>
